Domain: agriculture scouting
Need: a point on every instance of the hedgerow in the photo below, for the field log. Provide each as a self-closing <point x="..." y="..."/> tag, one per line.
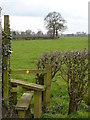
<point x="72" y="66"/>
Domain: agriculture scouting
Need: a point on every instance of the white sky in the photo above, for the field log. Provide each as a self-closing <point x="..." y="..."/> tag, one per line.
<point x="29" y="14"/>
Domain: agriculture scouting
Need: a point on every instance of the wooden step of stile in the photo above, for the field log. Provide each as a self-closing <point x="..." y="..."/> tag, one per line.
<point x="24" y="102"/>
<point x="23" y="105"/>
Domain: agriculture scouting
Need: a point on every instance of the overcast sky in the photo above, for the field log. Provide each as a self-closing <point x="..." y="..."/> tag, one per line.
<point x="29" y="14"/>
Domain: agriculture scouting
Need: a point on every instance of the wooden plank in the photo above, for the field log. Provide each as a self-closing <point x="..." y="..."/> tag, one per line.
<point x="37" y="104"/>
<point x="26" y="71"/>
<point x="24" y="102"/>
<point x="29" y="86"/>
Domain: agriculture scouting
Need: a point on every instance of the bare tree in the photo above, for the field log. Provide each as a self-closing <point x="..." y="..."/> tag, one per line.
<point x="55" y="22"/>
<point x="28" y="33"/>
<point x="39" y="33"/>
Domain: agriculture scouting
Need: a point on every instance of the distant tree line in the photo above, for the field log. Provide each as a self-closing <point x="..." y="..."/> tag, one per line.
<point x="77" y="34"/>
<point x="29" y="34"/>
<point x="54" y="23"/>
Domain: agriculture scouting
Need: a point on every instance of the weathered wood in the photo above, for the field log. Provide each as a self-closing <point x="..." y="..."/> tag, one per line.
<point x="5" y="76"/>
<point x="28" y="86"/>
<point x="14" y="98"/>
<point x="14" y="94"/>
<point x="37" y="104"/>
<point x="23" y="104"/>
<point x="21" y="114"/>
<point x="26" y="71"/>
<point x="0" y="66"/>
<point x="16" y="89"/>
<point x="47" y="92"/>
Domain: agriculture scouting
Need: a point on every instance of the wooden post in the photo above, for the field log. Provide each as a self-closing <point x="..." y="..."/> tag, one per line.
<point x="47" y="93"/>
<point x="14" y="95"/>
<point x="37" y="104"/>
<point x="15" y="89"/>
<point x="5" y="76"/>
<point x="0" y="67"/>
<point x="14" y="98"/>
<point x="21" y="114"/>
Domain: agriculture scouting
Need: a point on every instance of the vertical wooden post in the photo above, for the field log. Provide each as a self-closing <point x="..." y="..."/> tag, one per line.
<point x="37" y="104"/>
<point x="21" y="114"/>
<point x="14" y="95"/>
<point x="5" y="76"/>
<point x="47" y="93"/>
<point x="0" y="67"/>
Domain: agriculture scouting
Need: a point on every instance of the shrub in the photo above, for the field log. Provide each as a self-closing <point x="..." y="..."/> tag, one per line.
<point x="72" y="66"/>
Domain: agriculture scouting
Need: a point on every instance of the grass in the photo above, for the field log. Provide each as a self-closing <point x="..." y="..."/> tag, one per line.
<point x="26" y="52"/>
<point x="25" y="56"/>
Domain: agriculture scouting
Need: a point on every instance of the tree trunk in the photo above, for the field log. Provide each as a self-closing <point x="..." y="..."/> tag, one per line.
<point x="53" y="31"/>
<point x="72" y="105"/>
<point x="56" y="33"/>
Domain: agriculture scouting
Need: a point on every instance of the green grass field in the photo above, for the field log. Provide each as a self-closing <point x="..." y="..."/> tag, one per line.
<point x="25" y="56"/>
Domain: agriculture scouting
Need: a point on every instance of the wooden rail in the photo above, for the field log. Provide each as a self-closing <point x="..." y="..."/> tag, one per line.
<point x="24" y="71"/>
<point x="28" y="85"/>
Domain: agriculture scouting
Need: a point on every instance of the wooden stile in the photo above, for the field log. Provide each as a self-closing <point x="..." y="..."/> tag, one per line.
<point x="18" y="85"/>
